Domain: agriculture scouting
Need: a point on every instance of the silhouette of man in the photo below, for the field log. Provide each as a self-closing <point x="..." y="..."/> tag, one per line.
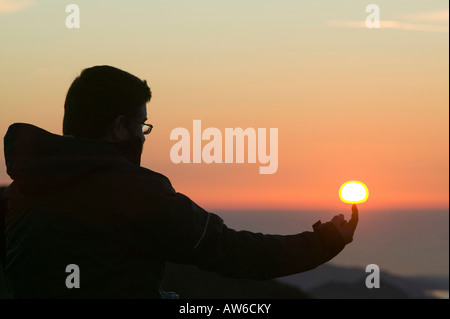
<point x="83" y="199"/>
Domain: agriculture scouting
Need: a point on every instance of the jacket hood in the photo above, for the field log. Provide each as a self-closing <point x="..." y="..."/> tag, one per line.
<point x="39" y="160"/>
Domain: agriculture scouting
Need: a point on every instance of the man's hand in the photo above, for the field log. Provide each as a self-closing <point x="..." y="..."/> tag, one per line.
<point x="346" y="229"/>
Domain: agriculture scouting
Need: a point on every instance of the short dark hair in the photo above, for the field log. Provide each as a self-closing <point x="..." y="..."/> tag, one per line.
<point x="97" y="96"/>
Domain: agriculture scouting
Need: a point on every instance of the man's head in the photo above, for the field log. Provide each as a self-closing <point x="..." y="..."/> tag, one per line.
<point x="106" y="103"/>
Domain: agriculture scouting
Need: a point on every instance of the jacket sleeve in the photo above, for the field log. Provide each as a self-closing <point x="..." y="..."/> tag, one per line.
<point x="243" y="254"/>
<point x="201" y="238"/>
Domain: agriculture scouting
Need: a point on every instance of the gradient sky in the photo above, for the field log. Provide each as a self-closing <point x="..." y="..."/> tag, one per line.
<point x="350" y="103"/>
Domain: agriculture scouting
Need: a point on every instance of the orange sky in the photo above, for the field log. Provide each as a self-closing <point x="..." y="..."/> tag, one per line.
<point x="350" y="103"/>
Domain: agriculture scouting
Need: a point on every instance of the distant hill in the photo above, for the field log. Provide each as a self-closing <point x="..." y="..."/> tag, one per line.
<point x="329" y="281"/>
<point x="358" y="290"/>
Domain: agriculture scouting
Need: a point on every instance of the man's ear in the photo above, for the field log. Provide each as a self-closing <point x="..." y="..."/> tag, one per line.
<point x="118" y="130"/>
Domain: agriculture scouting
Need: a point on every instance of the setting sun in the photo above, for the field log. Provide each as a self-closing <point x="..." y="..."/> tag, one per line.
<point x="353" y="192"/>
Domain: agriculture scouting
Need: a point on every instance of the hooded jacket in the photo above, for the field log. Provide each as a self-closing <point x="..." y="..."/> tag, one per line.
<point x="89" y="203"/>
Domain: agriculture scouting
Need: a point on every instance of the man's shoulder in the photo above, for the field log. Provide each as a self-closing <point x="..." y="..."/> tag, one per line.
<point x="148" y="173"/>
<point x="148" y="177"/>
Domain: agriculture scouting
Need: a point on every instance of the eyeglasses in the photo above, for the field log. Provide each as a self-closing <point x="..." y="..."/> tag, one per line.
<point x="146" y="128"/>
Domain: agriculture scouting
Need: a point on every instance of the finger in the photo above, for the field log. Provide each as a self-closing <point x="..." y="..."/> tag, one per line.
<point x="355" y="217"/>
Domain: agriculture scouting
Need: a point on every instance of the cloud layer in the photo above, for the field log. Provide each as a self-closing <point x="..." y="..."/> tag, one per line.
<point x="439" y="20"/>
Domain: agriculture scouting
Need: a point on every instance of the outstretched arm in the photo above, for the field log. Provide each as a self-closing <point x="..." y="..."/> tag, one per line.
<point x="204" y="240"/>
